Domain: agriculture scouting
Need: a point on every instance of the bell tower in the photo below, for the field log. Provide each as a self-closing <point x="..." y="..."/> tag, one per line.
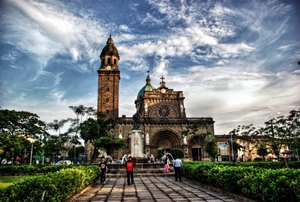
<point x="108" y="81"/>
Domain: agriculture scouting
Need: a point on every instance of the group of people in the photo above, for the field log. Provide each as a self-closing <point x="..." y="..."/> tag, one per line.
<point x="129" y="165"/>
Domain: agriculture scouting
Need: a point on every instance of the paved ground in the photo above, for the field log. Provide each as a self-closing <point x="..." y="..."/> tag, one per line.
<point x="152" y="189"/>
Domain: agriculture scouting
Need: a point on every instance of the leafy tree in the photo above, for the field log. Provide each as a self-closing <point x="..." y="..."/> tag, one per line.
<point x="15" y="128"/>
<point x="109" y="144"/>
<point x="211" y="147"/>
<point x="57" y="125"/>
<point x="96" y="132"/>
<point x="262" y="150"/>
<point x="284" y="130"/>
<point x="234" y="146"/>
<point x="294" y="128"/>
<point x="52" y="147"/>
<point x="89" y="130"/>
<point x="21" y="122"/>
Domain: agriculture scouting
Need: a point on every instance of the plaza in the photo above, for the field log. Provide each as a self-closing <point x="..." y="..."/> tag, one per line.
<point x="153" y="188"/>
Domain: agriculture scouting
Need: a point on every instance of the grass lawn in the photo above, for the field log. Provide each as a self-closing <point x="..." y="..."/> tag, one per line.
<point x="6" y="181"/>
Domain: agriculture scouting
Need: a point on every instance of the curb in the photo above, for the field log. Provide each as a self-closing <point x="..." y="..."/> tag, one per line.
<point x="87" y="188"/>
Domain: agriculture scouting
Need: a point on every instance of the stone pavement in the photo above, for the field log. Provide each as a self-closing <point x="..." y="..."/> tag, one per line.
<point x="152" y="188"/>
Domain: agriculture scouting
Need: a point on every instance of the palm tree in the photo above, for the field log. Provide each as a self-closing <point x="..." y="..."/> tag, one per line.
<point x="79" y="111"/>
<point x="57" y="125"/>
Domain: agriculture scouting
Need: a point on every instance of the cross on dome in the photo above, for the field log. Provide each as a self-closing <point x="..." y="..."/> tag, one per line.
<point x="162" y="82"/>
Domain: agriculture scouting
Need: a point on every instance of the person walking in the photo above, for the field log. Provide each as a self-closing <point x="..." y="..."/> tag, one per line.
<point x="177" y="166"/>
<point x="103" y="170"/>
<point x="129" y="169"/>
<point x="167" y="165"/>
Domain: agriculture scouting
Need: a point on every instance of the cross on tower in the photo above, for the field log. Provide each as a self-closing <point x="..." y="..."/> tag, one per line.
<point x="162" y="78"/>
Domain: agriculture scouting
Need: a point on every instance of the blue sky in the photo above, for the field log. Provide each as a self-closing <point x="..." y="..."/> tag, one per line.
<point x="236" y="61"/>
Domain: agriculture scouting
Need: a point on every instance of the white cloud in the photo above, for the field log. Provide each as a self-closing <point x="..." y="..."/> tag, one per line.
<point x="45" y="30"/>
<point x="161" y="68"/>
<point x="124" y="28"/>
<point x="232" y="96"/>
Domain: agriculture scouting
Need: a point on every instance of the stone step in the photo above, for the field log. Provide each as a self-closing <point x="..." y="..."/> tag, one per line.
<point x="138" y="171"/>
<point x="141" y="174"/>
<point x="137" y="165"/>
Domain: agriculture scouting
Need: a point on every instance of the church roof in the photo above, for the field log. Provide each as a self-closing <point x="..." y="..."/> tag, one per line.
<point x="109" y="49"/>
<point x="146" y="88"/>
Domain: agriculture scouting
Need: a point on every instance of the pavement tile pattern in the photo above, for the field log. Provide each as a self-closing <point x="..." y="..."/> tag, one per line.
<point x="151" y="188"/>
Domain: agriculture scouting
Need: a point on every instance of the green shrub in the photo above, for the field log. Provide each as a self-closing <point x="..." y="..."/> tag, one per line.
<point x="272" y="185"/>
<point x="30" y="169"/>
<point x="258" y="183"/>
<point x="269" y="164"/>
<point x="51" y="187"/>
<point x="176" y="153"/>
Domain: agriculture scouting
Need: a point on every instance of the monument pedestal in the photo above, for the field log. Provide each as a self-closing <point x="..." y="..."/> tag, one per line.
<point x="137" y="144"/>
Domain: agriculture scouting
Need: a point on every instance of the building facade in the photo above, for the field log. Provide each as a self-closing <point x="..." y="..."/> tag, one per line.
<point x="160" y="112"/>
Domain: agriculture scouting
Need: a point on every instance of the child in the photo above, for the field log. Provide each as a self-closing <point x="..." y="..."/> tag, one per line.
<point x="103" y="169"/>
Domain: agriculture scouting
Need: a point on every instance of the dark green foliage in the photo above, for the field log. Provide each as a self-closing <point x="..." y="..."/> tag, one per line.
<point x="262" y="150"/>
<point x="176" y="153"/>
<point x="30" y="170"/>
<point x="54" y="186"/>
<point x="211" y="147"/>
<point x="109" y="144"/>
<point x="250" y="180"/>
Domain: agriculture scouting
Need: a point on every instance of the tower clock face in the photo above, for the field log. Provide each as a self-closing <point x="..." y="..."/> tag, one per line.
<point x="164" y="111"/>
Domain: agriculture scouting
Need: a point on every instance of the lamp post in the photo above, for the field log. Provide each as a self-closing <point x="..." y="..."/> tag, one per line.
<point x="31" y="150"/>
<point x="231" y="140"/>
<point x="286" y="153"/>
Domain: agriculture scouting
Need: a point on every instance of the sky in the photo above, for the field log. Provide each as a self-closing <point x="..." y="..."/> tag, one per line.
<point x="235" y="61"/>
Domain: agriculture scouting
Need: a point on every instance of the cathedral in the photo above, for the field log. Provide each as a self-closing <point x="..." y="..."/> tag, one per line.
<point x="160" y="112"/>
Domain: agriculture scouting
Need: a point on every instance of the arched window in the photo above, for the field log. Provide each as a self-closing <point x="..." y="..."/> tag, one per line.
<point x="115" y="61"/>
<point x="109" y="61"/>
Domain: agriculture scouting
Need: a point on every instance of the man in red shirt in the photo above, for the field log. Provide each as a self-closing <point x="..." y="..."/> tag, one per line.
<point x="129" y="169"/>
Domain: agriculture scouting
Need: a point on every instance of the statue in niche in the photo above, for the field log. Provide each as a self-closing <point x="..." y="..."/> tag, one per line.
<point x="184" y="140"/>
<point x="147" y="138"/>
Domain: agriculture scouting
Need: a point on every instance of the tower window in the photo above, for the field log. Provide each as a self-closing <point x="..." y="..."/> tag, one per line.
<point x="107" y="89"/>
<point x="102" y="61"/>
<point x="115" y="61"/>
<point x="109" y="61"/>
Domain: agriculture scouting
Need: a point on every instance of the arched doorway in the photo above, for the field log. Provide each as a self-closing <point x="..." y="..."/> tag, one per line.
<point x="165" y="139"/>
<point x="196" y="147"/>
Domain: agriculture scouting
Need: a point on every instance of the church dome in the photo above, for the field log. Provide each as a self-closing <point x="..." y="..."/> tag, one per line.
<point x="109" y="49"/>
<point x="146" y="88"/>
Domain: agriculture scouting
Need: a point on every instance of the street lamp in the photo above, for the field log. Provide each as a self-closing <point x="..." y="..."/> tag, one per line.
<point x="31" y="150"/>
<point x="286" y="152"/>
<point x="231" y="140"/>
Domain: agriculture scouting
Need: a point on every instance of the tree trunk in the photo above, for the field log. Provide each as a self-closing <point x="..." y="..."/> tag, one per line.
<point x="89" y="150"/>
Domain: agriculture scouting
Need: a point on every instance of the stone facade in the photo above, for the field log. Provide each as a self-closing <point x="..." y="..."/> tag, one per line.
<point x="108" y="81"/>
<point x="160" y="112"/>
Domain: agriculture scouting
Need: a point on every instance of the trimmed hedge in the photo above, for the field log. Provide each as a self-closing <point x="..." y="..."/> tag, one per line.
<point x="257" y="183"/>
<point x="30" y="170"/>
<point x="51" y="187"/>
<point x="267" y="164"/>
